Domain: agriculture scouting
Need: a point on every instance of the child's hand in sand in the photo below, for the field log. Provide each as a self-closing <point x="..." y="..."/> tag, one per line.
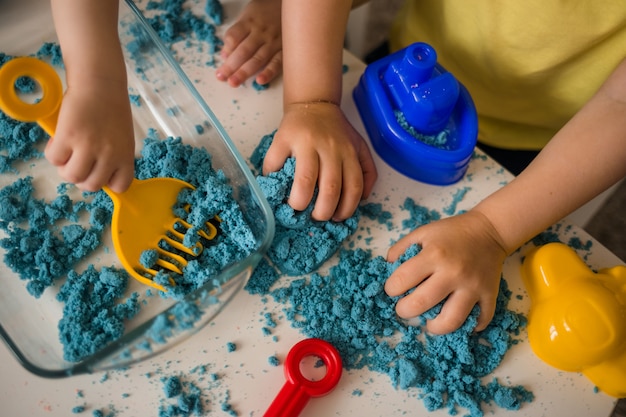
<point x="253" y="45"/>
<point x="94" y="141"/>
<point x="329" y="153"/>
<point x="461" y="260"/>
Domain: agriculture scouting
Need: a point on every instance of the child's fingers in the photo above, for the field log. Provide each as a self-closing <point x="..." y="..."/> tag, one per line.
<point x="351" y="191"/>
<point x="275" y="156"/>
<point x="453" y="314"/>
<point x="487" y="305"/>
<point x="330" y="184"/>
<point x="57" y="153"/>
<point x="425" y="296"/>
<point x="305" y="176"/>
<point x="120" y="179"/>
<point x="104" y="172"/>
<point x="233" y="37"/>
<point x="77" y="169"/>
<point x="272" y="69"/>
<point x="249" y="62"/>
<point x="398" y="248"/>
<point x="235" y="58"/>
<point x="368" y="167"/>
<point x="99" y="175"/>
<point x="303" y="188"/>
<point x="408" y="275"/>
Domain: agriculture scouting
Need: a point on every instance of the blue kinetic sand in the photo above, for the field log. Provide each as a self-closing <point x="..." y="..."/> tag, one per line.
<point x="420" y="119"/>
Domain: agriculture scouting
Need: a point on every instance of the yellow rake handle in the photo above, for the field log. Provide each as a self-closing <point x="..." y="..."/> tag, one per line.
<point x="46" y="111"/>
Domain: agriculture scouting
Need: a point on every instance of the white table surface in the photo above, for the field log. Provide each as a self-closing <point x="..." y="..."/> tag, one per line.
<point x="247" y="380"/>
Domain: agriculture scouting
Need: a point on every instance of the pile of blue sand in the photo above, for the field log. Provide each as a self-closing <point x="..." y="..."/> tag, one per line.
<point x="349" y="308"/>
<point x="174" y="22"/>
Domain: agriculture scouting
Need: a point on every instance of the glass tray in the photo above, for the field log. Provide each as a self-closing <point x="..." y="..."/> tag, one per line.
<point x="29" y="325"/>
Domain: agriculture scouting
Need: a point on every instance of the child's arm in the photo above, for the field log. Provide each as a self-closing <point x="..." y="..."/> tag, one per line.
<point x="461" y="257"/>
<point x="93" y="145"/>
<point x="329" y="152"/>
<point x="253" y="44"/>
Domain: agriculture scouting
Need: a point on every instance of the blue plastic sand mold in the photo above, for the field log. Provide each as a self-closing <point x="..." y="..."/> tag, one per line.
<point x="410" y="84"/>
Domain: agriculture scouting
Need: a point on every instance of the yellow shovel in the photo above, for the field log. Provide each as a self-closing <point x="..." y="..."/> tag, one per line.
<point x="142" y="215"/>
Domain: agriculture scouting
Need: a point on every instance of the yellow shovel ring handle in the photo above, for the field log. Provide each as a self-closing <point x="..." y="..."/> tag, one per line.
<point x="46" y="111"/>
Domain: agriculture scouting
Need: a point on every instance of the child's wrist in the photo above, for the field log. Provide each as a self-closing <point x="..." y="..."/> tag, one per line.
<point x="492" y="231"/>
<point x="315" y="101"/>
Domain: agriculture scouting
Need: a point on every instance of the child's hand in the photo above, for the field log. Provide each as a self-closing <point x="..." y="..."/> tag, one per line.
<point x="94" y="141"/>
<point x="461" y="259"/>
<point x="329" y="153"/>
<point x="253" y="44"/>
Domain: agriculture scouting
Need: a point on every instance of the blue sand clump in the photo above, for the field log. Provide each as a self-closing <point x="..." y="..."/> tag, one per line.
<point x="182" y="316"/>
<point x="188" y="396"/>
<point x="19" y="142"/>
<point x="259" y="87"/>
<point x="149" y="258"/>
<point x="173" y="23"/>
<point x="93" y="315"/>
<point x="214" y="9"/>
<point x="36" y="247"/>
<point x="25" y="85"/>
<point x="418" y="215"/>
<point x="135" y="99"/>
<point x="576" y="243"/>
<point x="551" y="234"/>
<point x="51" y="51"/>
<point x="264" y="276"/>
<point x="4" y="58"/>
<point x="456" y="199"/>
<point x="301" y="244"/>
<point x="192" y="393"/>
<point x="375" y="211"/>
<point x="273" y="360"/>
<point x="440" y="140"/>
<point x="172" y="386"/>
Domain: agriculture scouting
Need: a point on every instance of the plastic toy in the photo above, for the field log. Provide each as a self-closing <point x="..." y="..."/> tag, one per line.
<point x="297" y="391"/>
<point x="577" y="320"/>
<point x="406" y="98"/>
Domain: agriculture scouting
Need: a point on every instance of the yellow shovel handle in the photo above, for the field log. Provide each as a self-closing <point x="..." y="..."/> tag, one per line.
<point x="46" y="111"/>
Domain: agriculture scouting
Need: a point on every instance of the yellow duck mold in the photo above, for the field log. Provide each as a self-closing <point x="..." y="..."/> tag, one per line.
<point x="577" y="319"/>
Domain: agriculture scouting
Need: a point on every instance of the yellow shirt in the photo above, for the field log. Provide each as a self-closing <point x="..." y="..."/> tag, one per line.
<point x="529" y="65"/>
